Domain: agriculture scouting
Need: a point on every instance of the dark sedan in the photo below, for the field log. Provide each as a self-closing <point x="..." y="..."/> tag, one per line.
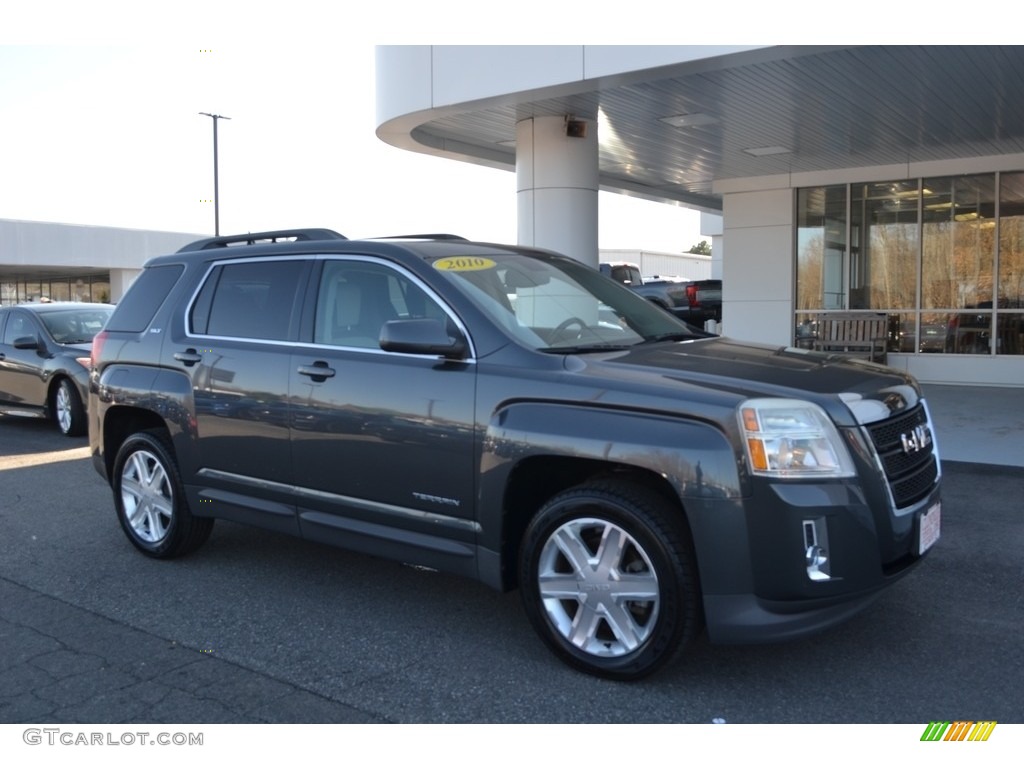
<point x="44" y="360"/>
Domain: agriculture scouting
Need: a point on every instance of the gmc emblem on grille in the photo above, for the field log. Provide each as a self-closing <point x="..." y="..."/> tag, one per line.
<point x="917" y="440"/>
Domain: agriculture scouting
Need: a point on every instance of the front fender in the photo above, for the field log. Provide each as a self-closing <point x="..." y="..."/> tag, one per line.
<point x="693" y="456"/>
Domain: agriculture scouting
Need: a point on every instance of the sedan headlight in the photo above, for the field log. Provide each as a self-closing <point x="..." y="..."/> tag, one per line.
<point x="792" y="438"/>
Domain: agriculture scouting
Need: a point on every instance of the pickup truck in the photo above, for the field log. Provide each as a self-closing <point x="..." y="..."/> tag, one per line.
<point x="695" y="301"/>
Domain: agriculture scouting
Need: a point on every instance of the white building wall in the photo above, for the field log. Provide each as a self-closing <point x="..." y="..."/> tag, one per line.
<point x="47" y="247"/>
<point x="28" y="244"/>
<point x="689" y="266"/>
<point x="711" y="226"/>
<point x="413" y="78"/>
<point x="757" y="276"/>
<point x="120" y="279"/>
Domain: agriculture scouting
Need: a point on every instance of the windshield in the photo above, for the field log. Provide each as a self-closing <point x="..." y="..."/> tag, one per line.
<point x="555" y="304"/>
<point x="75" y="326"/>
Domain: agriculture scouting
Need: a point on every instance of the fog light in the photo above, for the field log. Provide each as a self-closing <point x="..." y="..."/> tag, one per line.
<point x="816" y="549"/>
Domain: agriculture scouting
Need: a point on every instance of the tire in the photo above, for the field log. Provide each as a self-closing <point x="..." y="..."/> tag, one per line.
<point x="68" y="410"/>
<point x="608" y="579"/>
<point x="150" y="499"/>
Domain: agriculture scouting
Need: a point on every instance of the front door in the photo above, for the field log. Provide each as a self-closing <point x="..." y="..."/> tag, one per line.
<point x="383" y="442"/>
<point x="22" y="383"/>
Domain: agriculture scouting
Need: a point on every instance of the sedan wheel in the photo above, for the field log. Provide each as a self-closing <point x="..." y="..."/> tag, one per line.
<point x="150" y="499"/>
<point x="68" y="410"/>
<point x="608" y="579"/>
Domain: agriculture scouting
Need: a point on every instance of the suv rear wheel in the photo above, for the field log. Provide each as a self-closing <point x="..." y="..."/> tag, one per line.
<point x="150" y="499"/>
<point x="608" y="579"/>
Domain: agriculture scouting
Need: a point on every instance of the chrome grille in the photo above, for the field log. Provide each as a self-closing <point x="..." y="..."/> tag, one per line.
<point x="911" y="474"/>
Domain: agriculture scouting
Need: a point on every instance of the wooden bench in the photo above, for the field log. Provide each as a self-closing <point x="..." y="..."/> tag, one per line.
<point x="853" y="333"/>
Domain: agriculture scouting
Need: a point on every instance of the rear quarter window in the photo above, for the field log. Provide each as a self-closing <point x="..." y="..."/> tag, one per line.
<point x="136" y="310"/>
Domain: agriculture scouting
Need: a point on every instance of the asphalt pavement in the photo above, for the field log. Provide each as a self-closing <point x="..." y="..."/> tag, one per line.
<point x="262" y="628"/>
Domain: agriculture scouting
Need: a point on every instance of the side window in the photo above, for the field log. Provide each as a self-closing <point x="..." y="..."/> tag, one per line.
<point x="250" y="300"/>
<point x="18" y="325"/>
<point x="356" y="298"/>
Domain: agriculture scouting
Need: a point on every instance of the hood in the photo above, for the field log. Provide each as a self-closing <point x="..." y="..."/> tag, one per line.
<point x="747" y="369"/>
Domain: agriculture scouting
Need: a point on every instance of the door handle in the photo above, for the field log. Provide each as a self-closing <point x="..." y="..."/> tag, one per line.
<point x="189" y="357"/>
<point x="318" y="371"/>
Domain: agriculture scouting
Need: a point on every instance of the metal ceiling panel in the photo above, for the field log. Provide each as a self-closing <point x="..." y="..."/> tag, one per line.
<point x="836" y="108"/>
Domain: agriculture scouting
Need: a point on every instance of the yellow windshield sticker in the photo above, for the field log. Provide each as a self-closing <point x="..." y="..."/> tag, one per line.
<point x="464" y="264"/>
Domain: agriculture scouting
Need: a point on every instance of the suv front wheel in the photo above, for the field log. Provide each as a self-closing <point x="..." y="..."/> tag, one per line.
<point x="150" y="499"/>
<point x="608" y="579"/>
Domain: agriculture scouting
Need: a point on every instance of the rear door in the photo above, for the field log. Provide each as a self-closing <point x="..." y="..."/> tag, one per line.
<point x="237" y="350"/>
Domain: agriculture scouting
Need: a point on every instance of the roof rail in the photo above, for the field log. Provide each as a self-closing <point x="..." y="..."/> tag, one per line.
<point x="258" y="238"/>
<point x="435" y="236"/>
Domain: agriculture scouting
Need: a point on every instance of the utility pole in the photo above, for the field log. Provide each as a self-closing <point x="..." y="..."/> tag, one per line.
<point x="216" y="184"/>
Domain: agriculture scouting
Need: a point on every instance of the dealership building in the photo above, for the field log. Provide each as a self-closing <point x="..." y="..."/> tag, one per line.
<point x="831" y="179"/>
<point x="71" y="262"/>
<point x="855" y="179"/>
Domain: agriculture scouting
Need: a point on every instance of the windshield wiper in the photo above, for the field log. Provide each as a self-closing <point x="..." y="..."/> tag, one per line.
<point x="581" y="348"/>
<point x="674" y="336"/>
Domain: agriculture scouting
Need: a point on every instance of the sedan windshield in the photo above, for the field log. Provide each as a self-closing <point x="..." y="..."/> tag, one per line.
<point x="75" y="326"/>
<point x="555" y="304"/>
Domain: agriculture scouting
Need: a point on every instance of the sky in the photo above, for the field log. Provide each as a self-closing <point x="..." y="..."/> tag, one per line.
<point x="100" y="108"/>
<point x="100" y="102"/>
<point x="93" y="131"/>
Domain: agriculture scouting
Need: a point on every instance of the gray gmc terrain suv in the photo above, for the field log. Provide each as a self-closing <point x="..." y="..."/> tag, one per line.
<point x="513" y="416"/>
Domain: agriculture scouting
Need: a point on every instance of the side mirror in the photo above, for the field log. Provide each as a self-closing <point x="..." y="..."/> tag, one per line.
<point x="422" y="337"/>
<point x="26" y="342"/>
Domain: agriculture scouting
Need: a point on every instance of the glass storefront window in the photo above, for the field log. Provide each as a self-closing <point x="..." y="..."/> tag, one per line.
<point x="821" y="248"/>
<point x="958" y="242"/>
<point x="932" y="332"/>
<point x="100" y="291"/>
<point x="87" y="289"/>
<point x="1011" y="240"/>
<point x="968" y="333"/>
<point x="1010" y="333"/>
<point x="60" y="290"/>
<point x="883" y="263"/>
<point x="903" y="332"/>
<point x="31" y="290"/>
<point x="806" y="330"/>
<point x="942" y="257"/>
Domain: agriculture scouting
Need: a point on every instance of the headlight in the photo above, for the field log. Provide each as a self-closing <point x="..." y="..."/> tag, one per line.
<point x="792" y="438"/>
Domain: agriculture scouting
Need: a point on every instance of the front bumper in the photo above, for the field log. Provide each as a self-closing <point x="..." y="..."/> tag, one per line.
<point x="781" y="601"/>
